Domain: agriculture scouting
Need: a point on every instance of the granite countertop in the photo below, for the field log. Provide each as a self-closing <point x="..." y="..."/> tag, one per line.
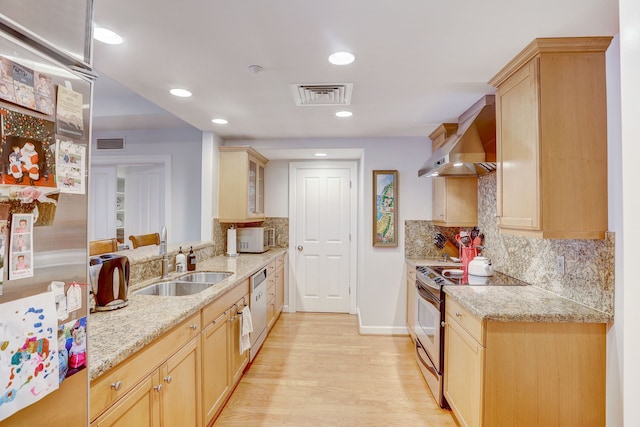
<point x="503" y="303"/>
<point x="114" y="336"/>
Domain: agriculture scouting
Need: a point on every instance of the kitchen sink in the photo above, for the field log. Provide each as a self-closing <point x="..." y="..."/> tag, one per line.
<point x="186" y="285"/>
<point x="205" y="277"/>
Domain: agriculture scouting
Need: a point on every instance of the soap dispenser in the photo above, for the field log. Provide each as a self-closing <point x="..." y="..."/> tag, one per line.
<point x="191" y="260"/>
<point x="181" y="261"/>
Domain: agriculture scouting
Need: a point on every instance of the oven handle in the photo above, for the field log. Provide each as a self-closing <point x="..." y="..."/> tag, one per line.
<point x="426" y="295"/>
<point x="430" y="367"/>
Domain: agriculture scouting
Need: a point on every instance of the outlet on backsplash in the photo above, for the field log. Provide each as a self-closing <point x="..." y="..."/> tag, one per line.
<point x="560" y="264"/>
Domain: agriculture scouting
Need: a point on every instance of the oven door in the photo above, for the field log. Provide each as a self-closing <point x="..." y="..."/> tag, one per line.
<point x="428" y="328"/>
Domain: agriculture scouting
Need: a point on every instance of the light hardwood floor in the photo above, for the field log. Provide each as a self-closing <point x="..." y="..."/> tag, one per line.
<point x="316" y="370"/>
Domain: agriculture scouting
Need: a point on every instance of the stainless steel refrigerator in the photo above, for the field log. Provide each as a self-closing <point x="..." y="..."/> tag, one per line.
<point x="45" y="115"/>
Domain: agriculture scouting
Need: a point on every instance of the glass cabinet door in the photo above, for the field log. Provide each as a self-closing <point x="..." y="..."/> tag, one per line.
<point x="260" y="195"/>
<point x="253" y="172"/>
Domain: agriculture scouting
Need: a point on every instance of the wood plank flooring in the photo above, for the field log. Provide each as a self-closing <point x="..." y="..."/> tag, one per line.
<point x="315" y="369"/>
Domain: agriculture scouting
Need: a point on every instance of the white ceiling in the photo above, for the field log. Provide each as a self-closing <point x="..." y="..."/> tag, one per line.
<point x="418" y="62"/>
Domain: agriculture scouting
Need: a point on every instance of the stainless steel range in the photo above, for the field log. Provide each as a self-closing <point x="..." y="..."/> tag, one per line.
<point x="430" y="317"/>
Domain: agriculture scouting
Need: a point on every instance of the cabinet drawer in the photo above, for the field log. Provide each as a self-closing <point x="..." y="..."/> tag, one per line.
<point x="280" y="261"/>
<point x="271" y="267"/>
<point x="110" y="387"/>
<point x="212" y="311"/>
<point x="411" y="273"/>
<point x="470" y="323"/>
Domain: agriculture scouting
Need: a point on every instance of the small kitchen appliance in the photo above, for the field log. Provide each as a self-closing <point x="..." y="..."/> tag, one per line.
<point x="109" y="277"/>
<point x="480" y="266"/>
<point x="254" y="239"/>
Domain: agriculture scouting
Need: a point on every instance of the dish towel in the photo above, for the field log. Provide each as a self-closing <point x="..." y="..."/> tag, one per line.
<point x="245" y="329"/>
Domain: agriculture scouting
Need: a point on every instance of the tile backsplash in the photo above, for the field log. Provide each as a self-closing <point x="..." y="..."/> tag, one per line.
<point x="280" y="225"/>
<point x="589" y="264"/>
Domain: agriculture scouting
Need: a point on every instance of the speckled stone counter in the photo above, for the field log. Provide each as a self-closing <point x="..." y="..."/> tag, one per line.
<point x="116" y="335"/>
<point x="522" y="304"/>
<point x="517" y="303"/>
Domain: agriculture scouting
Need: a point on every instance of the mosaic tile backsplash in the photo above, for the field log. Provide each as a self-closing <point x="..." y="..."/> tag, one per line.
<point x="589" y="264"/>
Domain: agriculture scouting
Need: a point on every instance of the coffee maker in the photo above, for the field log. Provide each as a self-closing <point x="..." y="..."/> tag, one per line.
<point x="109" y="276"/>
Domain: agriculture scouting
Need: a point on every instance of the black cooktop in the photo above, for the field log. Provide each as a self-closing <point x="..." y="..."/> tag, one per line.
<point x="454" y="275"/>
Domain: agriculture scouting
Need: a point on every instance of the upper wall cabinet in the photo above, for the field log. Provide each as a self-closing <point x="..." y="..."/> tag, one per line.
<point x="241" y="194"/>
<point x="455" y="199"/>
<point x="551" y="119"/>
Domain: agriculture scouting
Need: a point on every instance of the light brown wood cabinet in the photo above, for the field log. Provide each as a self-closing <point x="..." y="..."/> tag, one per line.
<point x="157" y="387"/>
<point x="412" y="301"/>
<point x="222" y="362"/>
<point x="526" y="374"/>
<point x="241" y="192"/>
<point x="275" y="290"/>
<point x="455" y="199"/>
<point x="279" y="302"/>
<point x="551" y="130"/>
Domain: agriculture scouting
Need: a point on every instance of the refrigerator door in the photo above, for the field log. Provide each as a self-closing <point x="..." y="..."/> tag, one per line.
<point x="59" y="248"/>
<point x="64" y="25"/>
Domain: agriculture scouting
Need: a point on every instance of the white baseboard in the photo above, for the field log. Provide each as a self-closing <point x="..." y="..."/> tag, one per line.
<point x="380" y="330"/>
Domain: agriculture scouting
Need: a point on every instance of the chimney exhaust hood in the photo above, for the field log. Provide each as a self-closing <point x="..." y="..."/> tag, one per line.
<point x="472" y="149"/>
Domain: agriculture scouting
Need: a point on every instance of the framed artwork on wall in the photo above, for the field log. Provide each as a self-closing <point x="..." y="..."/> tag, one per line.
<point x="385" y="208"/>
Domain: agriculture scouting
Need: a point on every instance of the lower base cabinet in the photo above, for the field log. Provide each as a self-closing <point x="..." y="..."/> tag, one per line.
<point x="222" y="362"/>
<point x="525" y="374"/>
<point x="168" y="394"/>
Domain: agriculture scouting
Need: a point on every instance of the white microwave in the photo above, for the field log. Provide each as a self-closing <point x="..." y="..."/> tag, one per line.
<point x="255" y="239"/>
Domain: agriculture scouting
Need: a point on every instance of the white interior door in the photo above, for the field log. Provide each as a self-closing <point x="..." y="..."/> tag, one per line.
<point x="144" y="199"/>
<point x="102" y="202"/>
<point x="322" y="245"/>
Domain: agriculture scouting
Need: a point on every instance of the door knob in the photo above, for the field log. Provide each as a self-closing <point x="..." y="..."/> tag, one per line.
<point x="300" y="248"/>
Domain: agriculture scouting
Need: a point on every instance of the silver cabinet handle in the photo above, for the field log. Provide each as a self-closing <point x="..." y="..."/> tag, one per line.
<point x="168" y="379"/>
<point x="194" y="327"/>
<point x="458" y="314"/>
<point x="300" y="248"/>
<point x="158" y="388"/>
<point x="117" y="385"/>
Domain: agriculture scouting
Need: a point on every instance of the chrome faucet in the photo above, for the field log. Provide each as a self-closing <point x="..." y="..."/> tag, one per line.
<point x="163" y="251"/>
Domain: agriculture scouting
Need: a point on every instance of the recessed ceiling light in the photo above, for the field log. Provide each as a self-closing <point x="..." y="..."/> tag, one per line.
<point x="106" y="36"/>
<point x="320" y="154"/>
<point x="220" y="121"/>
<point x="341" y="58"/>
<point x="182" y="93"/>
<point x="344" y="114"/>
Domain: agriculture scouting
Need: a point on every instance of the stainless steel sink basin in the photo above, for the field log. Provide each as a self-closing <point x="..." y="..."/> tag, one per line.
<point x="205" y="277"/>
<point x="190" y="284"/>
<point x="173" y="289"/>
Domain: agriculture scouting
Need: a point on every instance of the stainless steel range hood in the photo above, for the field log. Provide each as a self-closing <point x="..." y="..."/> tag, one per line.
<point x="472" y="149"/>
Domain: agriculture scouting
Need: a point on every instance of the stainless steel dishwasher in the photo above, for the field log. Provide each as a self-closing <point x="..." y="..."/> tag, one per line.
<point x="258" y="284"/>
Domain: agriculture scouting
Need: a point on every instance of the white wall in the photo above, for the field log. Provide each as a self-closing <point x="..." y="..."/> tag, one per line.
<point x="185" y="148"/>
<point x="381" y="285"/>
<point x="614" y="334"/>
<point x="210" y="180"/>
<point x="628" y="321"/>
<point x="276" y="180"/>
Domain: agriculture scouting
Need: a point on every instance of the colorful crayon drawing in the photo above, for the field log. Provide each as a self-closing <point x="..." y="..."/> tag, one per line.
<point x="28" y="352"/>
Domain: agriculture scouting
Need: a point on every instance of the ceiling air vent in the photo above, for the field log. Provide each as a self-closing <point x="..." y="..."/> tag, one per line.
<point x="110" y="143"/>
<point x="307" y="95"/>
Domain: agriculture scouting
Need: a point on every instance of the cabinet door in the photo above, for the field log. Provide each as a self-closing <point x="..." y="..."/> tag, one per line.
<point x="216" y="383"/>
<point x="279" y="290"/>
<point x="463" y="375"/>
<point x="140" y="407"/>
<point x="180" y="379"/>
<point x="238" y="360"/>
<point x="518" y="154"/>
<point x="412" y="301"/>
<point x="455" y="201"/>
<point x="260" y="190"/>
<point x="439" y="202"/>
